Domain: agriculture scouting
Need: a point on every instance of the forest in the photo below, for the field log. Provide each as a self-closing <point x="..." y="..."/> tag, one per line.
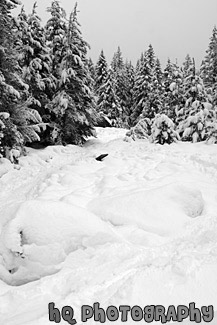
<point x="51" y="92"/>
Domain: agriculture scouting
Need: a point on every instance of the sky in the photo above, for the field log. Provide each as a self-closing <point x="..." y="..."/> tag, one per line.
<point x="173" y="27"/>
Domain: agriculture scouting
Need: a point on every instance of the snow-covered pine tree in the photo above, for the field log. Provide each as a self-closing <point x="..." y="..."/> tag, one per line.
<point x="129" y="81"/>
<point x="208" y="71"/>
<point x="187" y="89"/>
<point x="56" y="40"/>
<point x="158" y="71"/>
<point x="200" y="123"/>
<point x="148" y="87"/>
<point x="138" y="62"/>
<point x="10" y="138"/>
<point x="73" y="102"/>
<point x="108" y="103"/>
<point x="197" y="115"/>
<point x="187" y="65"/>
<point x="163" y="130"/>
<point x="154" y="102"/>
<point x="172" y="98"/>
<point x="35" y="61"/>
<point x="120" y="82"/>
<point x="142" y="86"/>
<point x="211" y="136"/>
<point x="150" y="56"/>
<point x="34" y="58"/>
<point x="141" y="130"/>
<point x="101" y="71"/>
<point x="22" y="123"/>
<point x="79" y="87"/>
<point x="11" y="84"/>
<point x="56" y="35"/>
<point x="158" y="87"/>
<point x="117" y="61"/>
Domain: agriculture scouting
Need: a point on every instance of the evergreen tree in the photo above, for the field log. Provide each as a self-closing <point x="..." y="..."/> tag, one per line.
<point x="158" y="87"/>
<point x="73" y="103"/>
<point x="187" y="65"/>
<point x="154" y="100"/>
<point x="22" y="123"/>
<point x="209" y="64"/>
<point x="139" y="62"/>
<point x="117" y="63"/>
<point x="198" y="125"/>
<point x="56" y="36"/>
<point x="173" y="90"/>
<point x="108" y="103"/>
<point x="143" y="78"/>
<point x="211" y="130"/>
<point x="147" y="87"/>
<point x="150" y="56"/>
<point x="140" y="131"/>
<point x="158" y="71"/>
<point x="169" y="72"/>
<point x="163" y="130"/>
<point x="129" y="81"/>
<point x="197" y="115"/>
<point x="101" y="71"/>
<point x="34" y="59"/>
<point x="11" y="84"/>
<point x="120" y="82"/>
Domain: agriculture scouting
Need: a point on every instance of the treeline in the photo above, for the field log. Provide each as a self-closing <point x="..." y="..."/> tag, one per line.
<point x="52" y="93"/>
<point x="164" y="105"/>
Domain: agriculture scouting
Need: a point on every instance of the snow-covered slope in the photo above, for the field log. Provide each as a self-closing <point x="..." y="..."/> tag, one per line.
<point x="138" y="228"/>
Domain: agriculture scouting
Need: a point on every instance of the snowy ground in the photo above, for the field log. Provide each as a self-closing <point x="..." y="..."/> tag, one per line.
<point x="138" y="228"/>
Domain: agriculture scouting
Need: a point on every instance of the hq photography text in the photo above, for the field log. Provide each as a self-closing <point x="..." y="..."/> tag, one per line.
<point x="123" y="313"/>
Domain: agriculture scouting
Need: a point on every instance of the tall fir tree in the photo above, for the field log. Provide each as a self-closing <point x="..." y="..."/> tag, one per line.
<point x="150" y="56"/>
<point x="144" y="98"/>
<point x="21" y="123"/>
<point x="101" y="71"/>
<point x="153" y="104"/>
<point x="129" y="81"/>
<point x="117" y="61"/>
<point x="158" y="71"/>
<point x="187" y="65"/>
<point x="11" y="84"/>
<point x="208" y="69"/>
<point x="173" y="90"/>
<point x="34" y="59"/>
<point x="197" y="115"/>
<point x="141" y="88"/>
<point x="119" y="75"/>
<point x="73" y="103"/>
<point x="108" y="102"/>
<point x="56" y="38"/>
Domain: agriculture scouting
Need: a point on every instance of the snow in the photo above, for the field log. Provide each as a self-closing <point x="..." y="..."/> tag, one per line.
<point x="138" y="228"/>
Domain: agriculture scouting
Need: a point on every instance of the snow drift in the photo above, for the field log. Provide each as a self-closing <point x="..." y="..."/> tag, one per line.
<point x="138" y="228"/>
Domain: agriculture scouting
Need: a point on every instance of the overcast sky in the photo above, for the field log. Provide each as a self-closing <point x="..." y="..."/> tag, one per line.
<point x="173" y="27"/>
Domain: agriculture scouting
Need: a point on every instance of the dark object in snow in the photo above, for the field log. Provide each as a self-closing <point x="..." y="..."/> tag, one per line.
<point x="101" y="157"/>
<point x="103" y="122"/>
<point x="36" y="145"/>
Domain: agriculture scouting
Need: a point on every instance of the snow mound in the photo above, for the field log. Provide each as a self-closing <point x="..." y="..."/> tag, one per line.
<point x="190" y="200"/>
<point x="164" y="210"/>
<point x="5" y="166"/>
<point x="43" y="233"/>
